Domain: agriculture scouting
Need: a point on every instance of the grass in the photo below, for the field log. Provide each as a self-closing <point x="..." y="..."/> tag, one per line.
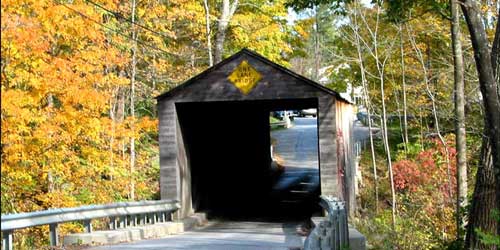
<point x="276" y="123"/>
<point x="273" y="120"/>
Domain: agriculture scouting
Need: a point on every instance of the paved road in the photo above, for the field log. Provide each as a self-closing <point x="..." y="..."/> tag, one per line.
<point x="361" y="132"/>
<point x="225" y="235"/>
<point x="298" y="148"/>
<point x="298" y="145"/>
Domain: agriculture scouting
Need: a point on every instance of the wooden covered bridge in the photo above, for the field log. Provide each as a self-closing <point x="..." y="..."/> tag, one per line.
<point x="214" y="134"/>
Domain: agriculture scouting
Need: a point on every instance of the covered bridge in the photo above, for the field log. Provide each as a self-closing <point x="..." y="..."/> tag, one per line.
<point x="214" y="134"/>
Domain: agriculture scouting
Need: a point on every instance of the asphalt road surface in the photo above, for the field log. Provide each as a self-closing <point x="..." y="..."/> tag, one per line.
<point x="298" y="145"/>
<point x="224" y="236"/>
<point x="298" y="148"/>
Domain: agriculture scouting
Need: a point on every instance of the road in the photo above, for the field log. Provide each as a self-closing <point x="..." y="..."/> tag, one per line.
<point x="361" y="133"/>
<point x="298" y="149"/>
<point x="224" y="235"/>
<point x="298" y="145"/>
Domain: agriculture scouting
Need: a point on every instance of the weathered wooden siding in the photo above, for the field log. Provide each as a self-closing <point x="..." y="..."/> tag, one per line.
<point x="346" y="160"/>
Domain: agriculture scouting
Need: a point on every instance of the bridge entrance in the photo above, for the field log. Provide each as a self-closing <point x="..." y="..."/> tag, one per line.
<point x="233" y="175"/>
<point x="214" y="139"/>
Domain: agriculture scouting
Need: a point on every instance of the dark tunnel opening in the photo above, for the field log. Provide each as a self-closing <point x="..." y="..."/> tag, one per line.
<point x="228" y="152"/>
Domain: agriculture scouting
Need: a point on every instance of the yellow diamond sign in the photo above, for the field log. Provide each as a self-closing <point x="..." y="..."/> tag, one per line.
<point x="244" y="77"/>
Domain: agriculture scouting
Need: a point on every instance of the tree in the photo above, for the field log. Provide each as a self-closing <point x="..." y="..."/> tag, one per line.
<point x="461" y="146"/>
<point x="483" y="200"/>
<point x="366" y="98"/>
<point x="373" y="45"/>
<point x="133" y="66"/>
<point x="487" y="68"/>
<point x="209" y="40"/>
<point x="227" y="10"/>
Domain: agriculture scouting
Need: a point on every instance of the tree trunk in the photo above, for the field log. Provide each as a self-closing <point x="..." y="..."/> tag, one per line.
<point x="317" y="55"/>
<point x="112" y="116"/>
<point x="495" y="55"/>
<point x="388" y="152"/>
<point x="226" y="13"/>
<point x="207" y="27"/>
<point x="485" y="64"/>
<point x="483" y="200"/>
<point x="367" y="105"/>
<point x="132" y="103"/>
<point x="50" y="176"/>
<point x="381" y="70"/>
<point x="460" y="141"/>
<point x="403" y="79"/>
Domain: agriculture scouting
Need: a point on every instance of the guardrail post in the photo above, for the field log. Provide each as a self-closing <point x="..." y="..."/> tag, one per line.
<point x="123" y="221"/>
<point x="133" y="220"/>
<point x="331" y="233"/>
<point x="7" y="240"/>
<point x="87" y="224"/>
<point x="152" y="218"/>
<point x="338" y="223"/>
<point x="159" y="217"/>
<point x="54" y="240"/>
<point x="112" y="223"/>
<point x="345" y="225"/>
<point x="142" y="219"/>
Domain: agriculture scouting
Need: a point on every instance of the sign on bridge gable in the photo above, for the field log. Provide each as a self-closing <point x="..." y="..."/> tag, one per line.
<point x="244" y="77"/>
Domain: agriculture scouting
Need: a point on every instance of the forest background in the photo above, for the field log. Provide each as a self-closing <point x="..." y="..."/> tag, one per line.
<point x="79" y="125"/>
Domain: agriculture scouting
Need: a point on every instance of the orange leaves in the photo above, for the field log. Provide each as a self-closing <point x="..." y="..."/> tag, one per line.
<point x="65" y="98"/>
<point x="51" y="51"/>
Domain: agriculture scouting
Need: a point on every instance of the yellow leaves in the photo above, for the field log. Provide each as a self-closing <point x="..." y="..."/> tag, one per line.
<point x="302" y="26"/>
<point x="262" y="31"/>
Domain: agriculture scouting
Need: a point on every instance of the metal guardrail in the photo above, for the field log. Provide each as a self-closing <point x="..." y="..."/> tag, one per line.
<point x="121" y="214"/>
<point x="332" y="233"/>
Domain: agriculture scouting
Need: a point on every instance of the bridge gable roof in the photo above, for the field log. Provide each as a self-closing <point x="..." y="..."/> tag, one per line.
<point x="277" y="82"/>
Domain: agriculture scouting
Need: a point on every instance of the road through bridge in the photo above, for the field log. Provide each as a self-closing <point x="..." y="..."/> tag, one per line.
<point x="226" y="235"/>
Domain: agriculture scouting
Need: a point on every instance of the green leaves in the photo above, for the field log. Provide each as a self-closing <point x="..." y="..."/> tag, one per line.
<point x="337" y="6"/>
<point x="400" y="11"/>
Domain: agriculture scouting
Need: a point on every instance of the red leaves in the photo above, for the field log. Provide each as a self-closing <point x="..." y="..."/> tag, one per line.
<point x="427" y="172"/>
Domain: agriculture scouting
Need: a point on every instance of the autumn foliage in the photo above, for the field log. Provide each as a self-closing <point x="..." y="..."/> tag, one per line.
<point x="426" y="188"/>
<point x="428" y="170"/>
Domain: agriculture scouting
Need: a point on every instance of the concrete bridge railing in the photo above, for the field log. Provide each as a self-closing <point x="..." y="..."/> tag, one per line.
<point x="120" y="214"/>
<point x="330" y="232"/>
